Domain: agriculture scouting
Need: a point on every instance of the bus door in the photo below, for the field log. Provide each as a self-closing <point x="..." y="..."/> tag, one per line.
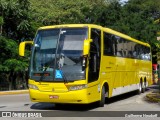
<point x="94" y="63"/>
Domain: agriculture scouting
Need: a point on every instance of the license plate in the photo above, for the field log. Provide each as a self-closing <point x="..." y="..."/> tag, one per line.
<point x="53" y="97"/>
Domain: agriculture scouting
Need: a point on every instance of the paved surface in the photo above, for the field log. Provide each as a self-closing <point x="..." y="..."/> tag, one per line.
<point x="127" y="102"/>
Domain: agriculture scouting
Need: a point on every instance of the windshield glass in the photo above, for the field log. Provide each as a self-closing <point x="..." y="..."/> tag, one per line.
<point x="57" y="53"/>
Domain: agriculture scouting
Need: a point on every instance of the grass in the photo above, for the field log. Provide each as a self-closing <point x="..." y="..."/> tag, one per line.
<point x="153" y="96"/>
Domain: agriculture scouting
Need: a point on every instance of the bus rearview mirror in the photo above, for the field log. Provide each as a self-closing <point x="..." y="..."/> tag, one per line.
<point x="86" y="46"/>
<point x="22" y="46"/>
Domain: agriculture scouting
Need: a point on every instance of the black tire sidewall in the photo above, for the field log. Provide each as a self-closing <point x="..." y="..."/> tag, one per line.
<point x="102" y="101"/>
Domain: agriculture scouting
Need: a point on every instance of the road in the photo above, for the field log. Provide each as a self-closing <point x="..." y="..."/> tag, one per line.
<point x="127" y="102"/>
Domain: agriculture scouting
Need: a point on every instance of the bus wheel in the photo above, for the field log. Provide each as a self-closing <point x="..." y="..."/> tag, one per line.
<point x="140" y="88"/>
<point x="102" y="101"/>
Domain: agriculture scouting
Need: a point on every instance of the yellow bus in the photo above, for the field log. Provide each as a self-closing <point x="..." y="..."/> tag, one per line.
<point x="85" y="63"/>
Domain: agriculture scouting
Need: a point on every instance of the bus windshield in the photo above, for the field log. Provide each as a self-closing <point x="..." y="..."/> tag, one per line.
<point x="57" y="54"/>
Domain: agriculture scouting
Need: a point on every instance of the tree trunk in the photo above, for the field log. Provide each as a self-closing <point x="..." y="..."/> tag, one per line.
<point x="9" y="81"/>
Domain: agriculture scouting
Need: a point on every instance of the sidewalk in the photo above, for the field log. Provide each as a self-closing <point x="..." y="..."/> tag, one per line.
<point x="154" y="95"/>
<point x="14" y="92"/>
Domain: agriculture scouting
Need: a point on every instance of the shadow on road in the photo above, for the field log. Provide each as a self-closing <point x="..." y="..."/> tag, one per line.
<point x="63" y="107"/>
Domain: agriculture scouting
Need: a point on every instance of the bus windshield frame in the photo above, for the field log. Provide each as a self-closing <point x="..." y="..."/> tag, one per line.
<point x="57" y="55"/>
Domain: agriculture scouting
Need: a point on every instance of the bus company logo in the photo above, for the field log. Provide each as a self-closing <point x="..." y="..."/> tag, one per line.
<point x="6" y="114"/>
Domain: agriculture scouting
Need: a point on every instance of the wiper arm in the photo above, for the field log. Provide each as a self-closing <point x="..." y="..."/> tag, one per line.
<point x="55" y="62"/>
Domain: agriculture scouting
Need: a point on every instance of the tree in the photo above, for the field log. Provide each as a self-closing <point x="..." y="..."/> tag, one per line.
<point x="110" y="14"/>
<point x="142" y="15"/>
<point x="1" y="23"/>
<point x="15" y="25"/>
<point x="17" y="19"/>
<point x="135" y="18"/>
<point x="53" y="12"/>
<point x="10" y="62"/>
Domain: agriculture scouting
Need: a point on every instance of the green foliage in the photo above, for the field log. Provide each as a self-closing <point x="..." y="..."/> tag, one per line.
<point x="15" y="65"/>
<point x="17" y="19"/>
<point x="136" y="19"/>
<point x="59" y="12"/>
<point x="110" y="15"/>
<point x="1" y="20"/>
<point x="10" y="60"/>
<point x="52" y="12"/>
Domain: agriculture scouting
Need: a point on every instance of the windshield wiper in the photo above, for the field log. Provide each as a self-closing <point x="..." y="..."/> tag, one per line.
<point x="55" y="62"/>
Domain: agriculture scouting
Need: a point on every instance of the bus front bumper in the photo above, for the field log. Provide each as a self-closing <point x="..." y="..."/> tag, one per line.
<point x="77" y="97"/>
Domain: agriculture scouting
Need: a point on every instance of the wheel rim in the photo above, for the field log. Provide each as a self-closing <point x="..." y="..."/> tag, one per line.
<point x="140" y="87"/>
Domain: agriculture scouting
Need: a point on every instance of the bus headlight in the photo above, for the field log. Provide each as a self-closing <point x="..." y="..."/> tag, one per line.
<point x="31" y="86"/>
<point x="78" y="87"/>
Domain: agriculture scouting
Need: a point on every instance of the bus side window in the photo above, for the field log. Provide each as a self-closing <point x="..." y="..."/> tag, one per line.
<point x="108" y="45"/>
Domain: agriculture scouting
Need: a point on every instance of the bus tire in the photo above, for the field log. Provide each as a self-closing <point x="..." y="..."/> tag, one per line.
<point x="102" y="100"/>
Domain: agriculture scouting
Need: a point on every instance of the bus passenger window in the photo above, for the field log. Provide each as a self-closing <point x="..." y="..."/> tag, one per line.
<point x="108" y="45"/>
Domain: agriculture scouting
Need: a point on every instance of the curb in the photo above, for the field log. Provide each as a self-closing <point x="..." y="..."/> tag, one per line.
<point x="14" y="92"/>
<point x="152" y="97"/>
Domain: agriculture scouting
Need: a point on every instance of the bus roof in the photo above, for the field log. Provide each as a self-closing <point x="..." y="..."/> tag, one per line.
<point x="108" y="30"/>
<point x="71" y="25"/>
